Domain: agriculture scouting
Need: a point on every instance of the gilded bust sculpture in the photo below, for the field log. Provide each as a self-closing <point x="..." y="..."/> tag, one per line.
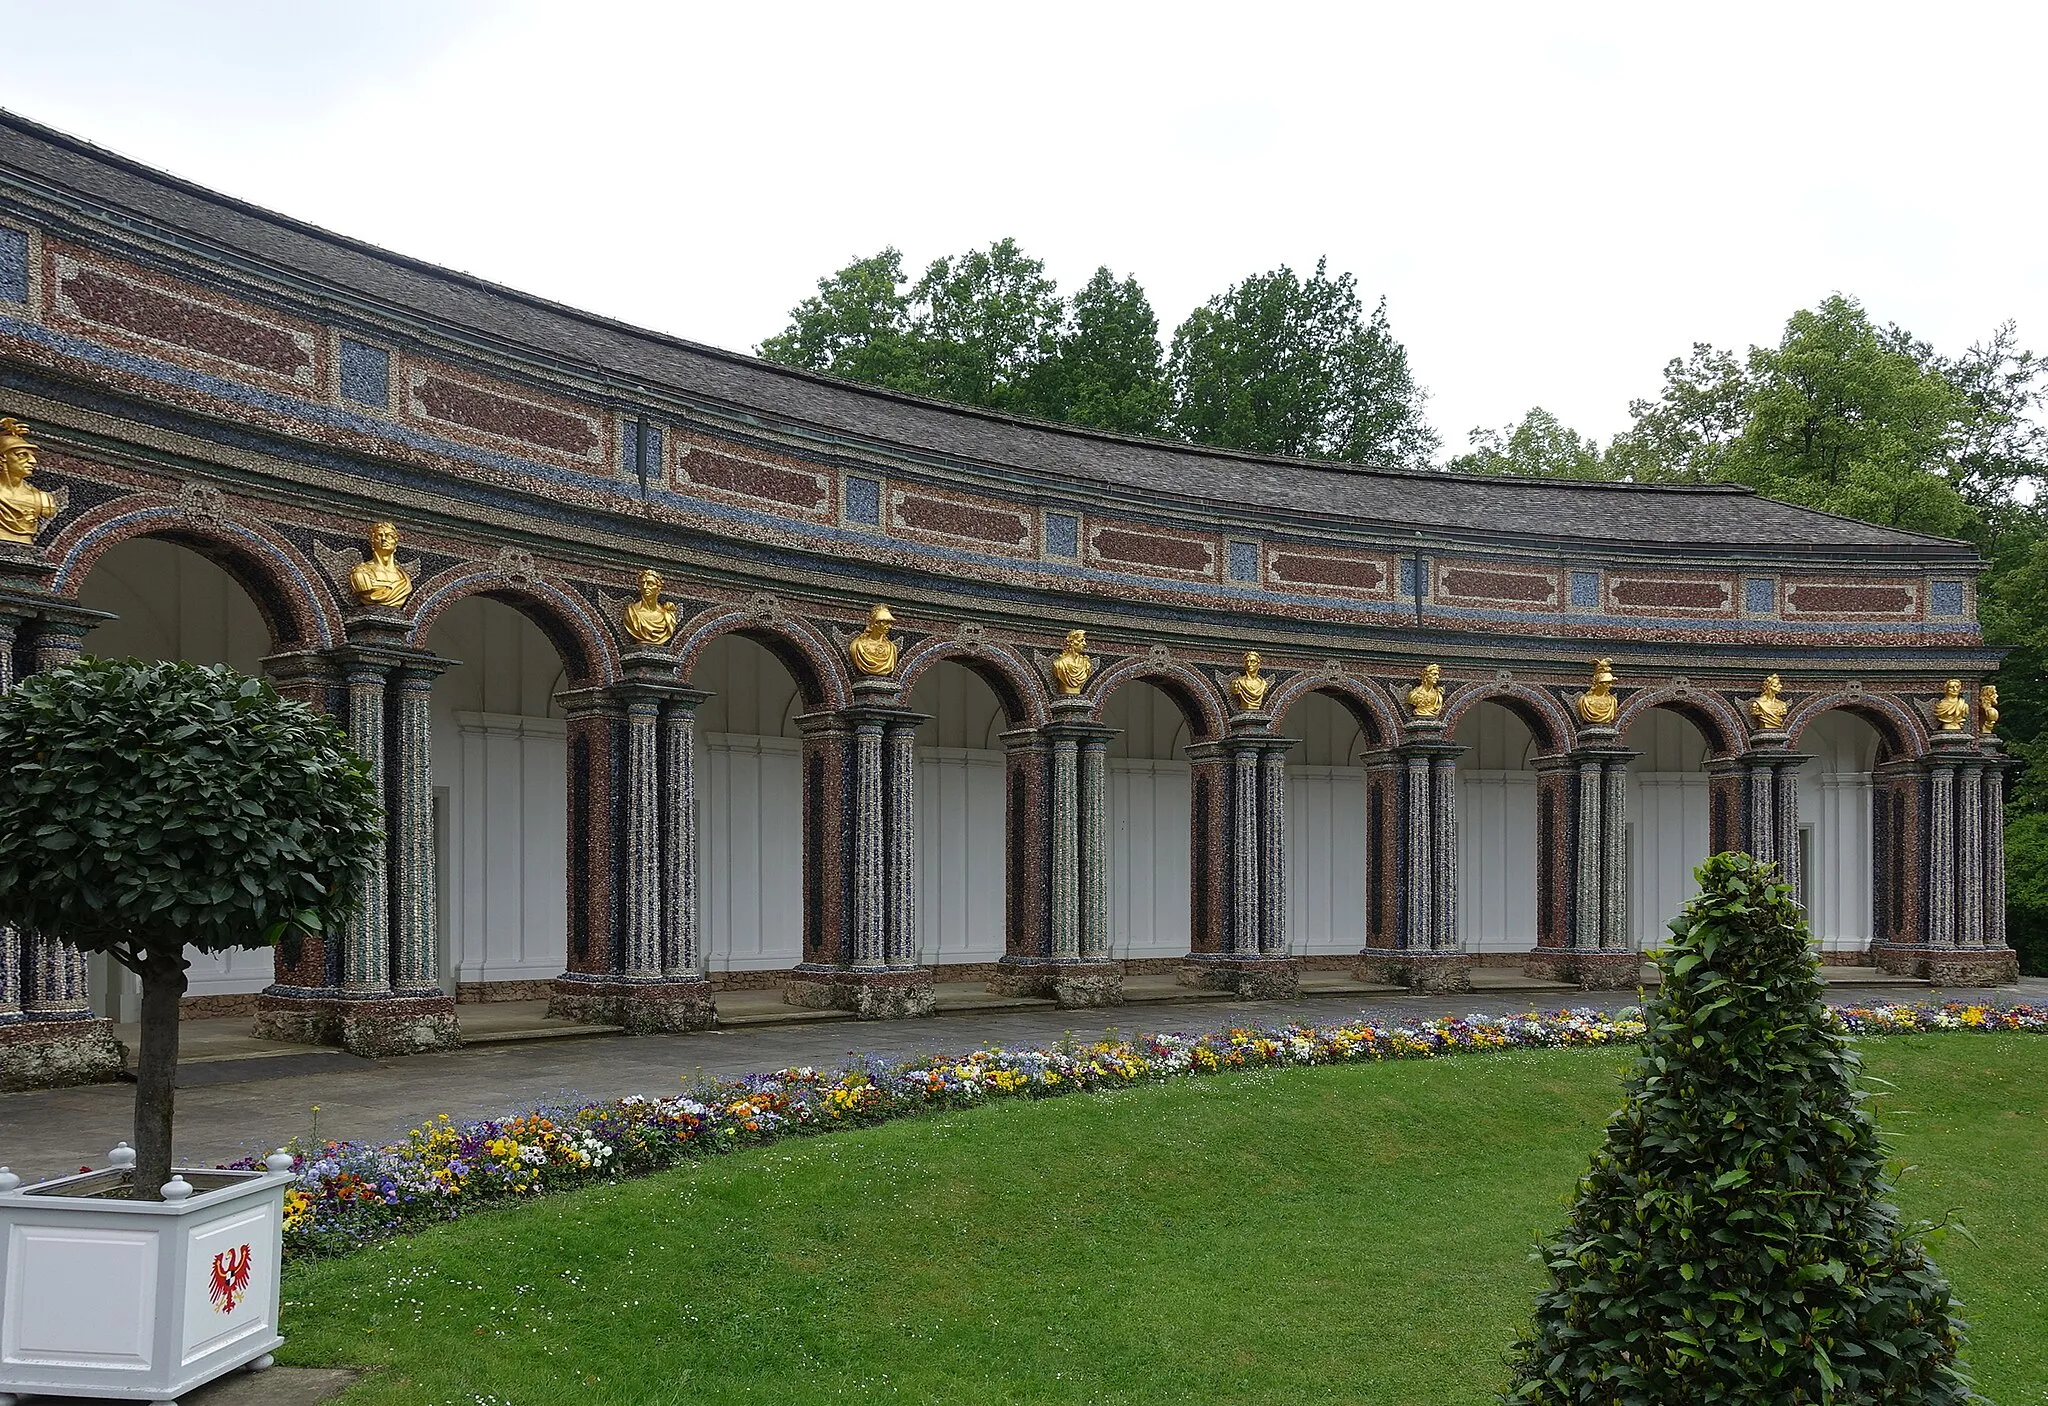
<point x="381" y="580"/>
<point x="1987" y="706"/>
<point x="24" y="508"/>
<point x="1249" y="688"/>
<point x="1952" y="710"/>
<point x="872" y="651"/>
<point x="1426" y="699"/>
<point x="1767" y="710"/>
<point x="650" y="619"/>
<point x="1597" y="705"/>
<point x="1072" y="668"/>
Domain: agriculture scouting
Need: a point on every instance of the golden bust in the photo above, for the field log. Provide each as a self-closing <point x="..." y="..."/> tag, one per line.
<point x="1767" y="710"/>
<point x="1072" y="668"/>
<point x="24" y="508"/>
<point x="1426" y="699"/>
<point x="381" y="580"/>
<point x="1987" y="705"/>
<point x="873" y="652"/>
<point x="1952" y="710"/>
<point x="1597" y="705"/>
<point x="650" y="619"/>
<point x="1249" y="688"/>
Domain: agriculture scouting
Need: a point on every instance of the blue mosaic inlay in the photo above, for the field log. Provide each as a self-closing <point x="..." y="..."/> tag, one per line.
<point x="864" y="500"/>
<point x="1585" y="590"/>
<point x="1242" y="561"/>
<point x="13" y="266"/>
<point x="633" y="435"/>
<point x="365" y="374"/>
<point x="1415" y="577"/>
<point x="1062" y="535"/>
<point x="1760" y="595"/>
<point x="1945" y="598"/>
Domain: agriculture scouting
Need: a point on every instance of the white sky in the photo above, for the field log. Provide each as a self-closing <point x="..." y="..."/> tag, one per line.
<point x="1555" y="199"/>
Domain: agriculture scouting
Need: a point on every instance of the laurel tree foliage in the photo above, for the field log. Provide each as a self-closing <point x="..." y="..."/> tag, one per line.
<point x="1733" y="1240"/>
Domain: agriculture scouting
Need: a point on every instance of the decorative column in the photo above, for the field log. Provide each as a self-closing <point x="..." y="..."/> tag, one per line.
<point x="1596" y="951"/>
<point x="1940" y="824"/>
<point x="1251" y="832"/>
<point x="1244" y="852"/>
<point x="366" y="951"/>
<point x="10" y="941"/>
<point x="1443" y="789"/>
<point x="868" y="891"/>
<point x="1992" y="803"/>
<point x="641" y="951"/>
<point x="899" y="832"/>
<point x="1093" y="820"/>
<point x="415" y="929"/>
<point x="54" y="976"/>
<point x="1066" y="849"/>
<point x="1273" y="851"/>
<point x="682" y="954"/>
<point x="1970" y="854"/>
<point x="1420" y="781"/>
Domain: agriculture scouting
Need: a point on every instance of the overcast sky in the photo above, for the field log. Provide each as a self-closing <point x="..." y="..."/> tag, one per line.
<point x="1554" y="199"/>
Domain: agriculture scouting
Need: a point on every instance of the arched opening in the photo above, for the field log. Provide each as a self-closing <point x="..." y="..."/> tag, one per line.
<point x="750" y="809"/>
<point x="1668" y="820"/>
<point x="961" y="817"/>
<point x="501" y="804"/>
<point x="1151" y="809"/>
<point x="1836" y="865"/>
<point x="171" y="603"/>
<point x="1497" y="840"/>
<point x="1333" y="868"/>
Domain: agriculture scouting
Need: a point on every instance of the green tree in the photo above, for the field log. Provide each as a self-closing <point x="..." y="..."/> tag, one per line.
<point x="1684" y="435"/>
<point x="1733" y="1240"/>
<point x="148" y="808"/>
<point x="1279" y="364"/>
<point x="1541" y="446"/>
<point x="985" y="326"/>
<point x="1107" y="370"/>
<point x="856" y="327"/>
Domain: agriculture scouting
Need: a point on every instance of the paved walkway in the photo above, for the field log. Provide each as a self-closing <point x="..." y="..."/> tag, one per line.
<point x="233" y="1107"/>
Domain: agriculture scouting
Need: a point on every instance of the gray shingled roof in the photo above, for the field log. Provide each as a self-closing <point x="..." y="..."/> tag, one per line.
<point x="35" y="156"/>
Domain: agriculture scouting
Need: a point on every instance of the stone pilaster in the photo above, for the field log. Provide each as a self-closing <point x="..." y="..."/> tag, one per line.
<point x="1443" y="787"/>
<point x="682" y="953"/>
<point x="1970" y="855"/>
<point x="900" y="936"/>
<point x="1596" y="952"/>
<point x="1252" y="960"/>
<point x="54" y="976"/>
<point x="1992" y="802"/>
<point x="641" y="954"/>
<point x="1093" y="819"/>
<point x="11" y="966"/>
<point x="1066" y="849"/>
<point x="366" y="940"/>
<point x="1426" y="954"/>
<point x="415" y="929"/>
<point x="1273" y="852"/>
<point x="1934" y="819"/>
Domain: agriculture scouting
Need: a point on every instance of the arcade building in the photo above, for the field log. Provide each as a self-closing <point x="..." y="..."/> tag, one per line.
<point x="682" y="672"/>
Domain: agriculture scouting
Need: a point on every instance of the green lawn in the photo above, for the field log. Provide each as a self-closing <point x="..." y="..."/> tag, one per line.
<point x="1353" y="1234"/>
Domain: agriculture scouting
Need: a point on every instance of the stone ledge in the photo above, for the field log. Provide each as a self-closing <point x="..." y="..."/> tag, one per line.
<point x="55" y="1054"/>
<point x="1433" y="973"/>
<point x="664" y="1007"/>
<point x="1949" y="966"/>
<point x="376" y="1027"/>
<point x="1248" y="978"/>
<point x="1598" y="969"/>
<point x="890" y="993"/>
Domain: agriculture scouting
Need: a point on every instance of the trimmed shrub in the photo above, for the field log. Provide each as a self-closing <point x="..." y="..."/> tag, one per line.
<point x="1733" y="1240"/>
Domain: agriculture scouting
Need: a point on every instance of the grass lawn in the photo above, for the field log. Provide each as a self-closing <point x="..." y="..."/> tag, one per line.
<point x="1353" y="1234"/>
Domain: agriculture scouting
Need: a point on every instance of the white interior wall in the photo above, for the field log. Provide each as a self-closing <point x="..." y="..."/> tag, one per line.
<point x="1496" y="831"/>
<point x="1325" y="830"/>
<point x="1834" y="805"/>
<point x="1668" y="814"/>
<point x="750" y="806"/>
<point x="960" y="817"/>
<point x="1150" y="847"/>
<point x="174" y="604"/>
<point x="501" y="763"/>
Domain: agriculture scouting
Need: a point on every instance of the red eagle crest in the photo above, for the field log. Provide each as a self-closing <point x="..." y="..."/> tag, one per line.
<point x="230" y="1279"/>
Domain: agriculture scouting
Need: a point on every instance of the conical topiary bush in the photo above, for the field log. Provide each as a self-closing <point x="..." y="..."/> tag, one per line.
<point x="1732" y="1241"/>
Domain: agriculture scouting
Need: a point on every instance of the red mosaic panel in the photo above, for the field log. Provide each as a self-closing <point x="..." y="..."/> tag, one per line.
<point x="933" y="515"/>
<point x="149" y="313"/>
<point x="1836" y="598"/>
<point x="1151" y="551"/>
<point x="444" y="400"/>
<point x="1494" y="587"/>
<point x="1668" y="593"/>
<point x="756" y="479"/>
<point x="1322" y="571"/>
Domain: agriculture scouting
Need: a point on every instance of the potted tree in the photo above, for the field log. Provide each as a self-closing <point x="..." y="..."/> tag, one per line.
<point x="146" y="809"/>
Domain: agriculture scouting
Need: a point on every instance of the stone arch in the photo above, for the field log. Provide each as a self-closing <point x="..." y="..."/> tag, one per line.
<point x="569" y="622"/>
<point x="1714" y="716"/>
<point x="1196" y="697"/>
<point x="1017" y="686"/>
<point x="297" y="605"/>
<point x="1899" y="726"/>
<point x="1541" y="712"/>
<point x="799" y="646"/>
<point x="1368" y="705"/>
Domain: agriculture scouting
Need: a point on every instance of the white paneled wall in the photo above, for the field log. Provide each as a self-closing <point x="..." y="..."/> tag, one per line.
<point x="750" y="807"/>
<point x="960" y="817"/>
<point x="501" y="763"/>
<point x="1496" y="832"/>
<point x="1325" y="830"/>
<point x="1149" y="824"/>
<point x="174" y="604"/>
<point x="1667" y="821"/>
<point x="1834" y="805"/>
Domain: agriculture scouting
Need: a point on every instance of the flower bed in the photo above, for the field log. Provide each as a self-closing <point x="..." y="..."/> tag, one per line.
<point x="352" y="1193"/>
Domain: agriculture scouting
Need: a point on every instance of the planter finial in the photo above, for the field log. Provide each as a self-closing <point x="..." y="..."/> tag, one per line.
<point x="279" y="1161"/>
<point x="176" y="1189"/>
<point x="122" y="1157"/>
<point x="8" y="1181"/>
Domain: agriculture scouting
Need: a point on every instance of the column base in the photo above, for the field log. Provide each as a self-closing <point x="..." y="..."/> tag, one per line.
<point x="888" y="993"/>
<point x="1433" y="973"/>
<point x="1251" y="978"/>
<point x="55" y="1054"/>
<point x="1949" y="966"/>
<point x="1072" y="984"/>
<point x="376" y="1027"/>
<point x="661" y="1006"/>
<point x="1594" y="969"/>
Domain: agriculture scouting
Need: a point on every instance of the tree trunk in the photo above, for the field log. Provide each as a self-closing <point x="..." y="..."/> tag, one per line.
<point x="156" y="1072"/>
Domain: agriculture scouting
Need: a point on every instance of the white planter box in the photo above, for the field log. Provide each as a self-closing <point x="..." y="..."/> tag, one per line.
<point x="138" y="1300"/>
